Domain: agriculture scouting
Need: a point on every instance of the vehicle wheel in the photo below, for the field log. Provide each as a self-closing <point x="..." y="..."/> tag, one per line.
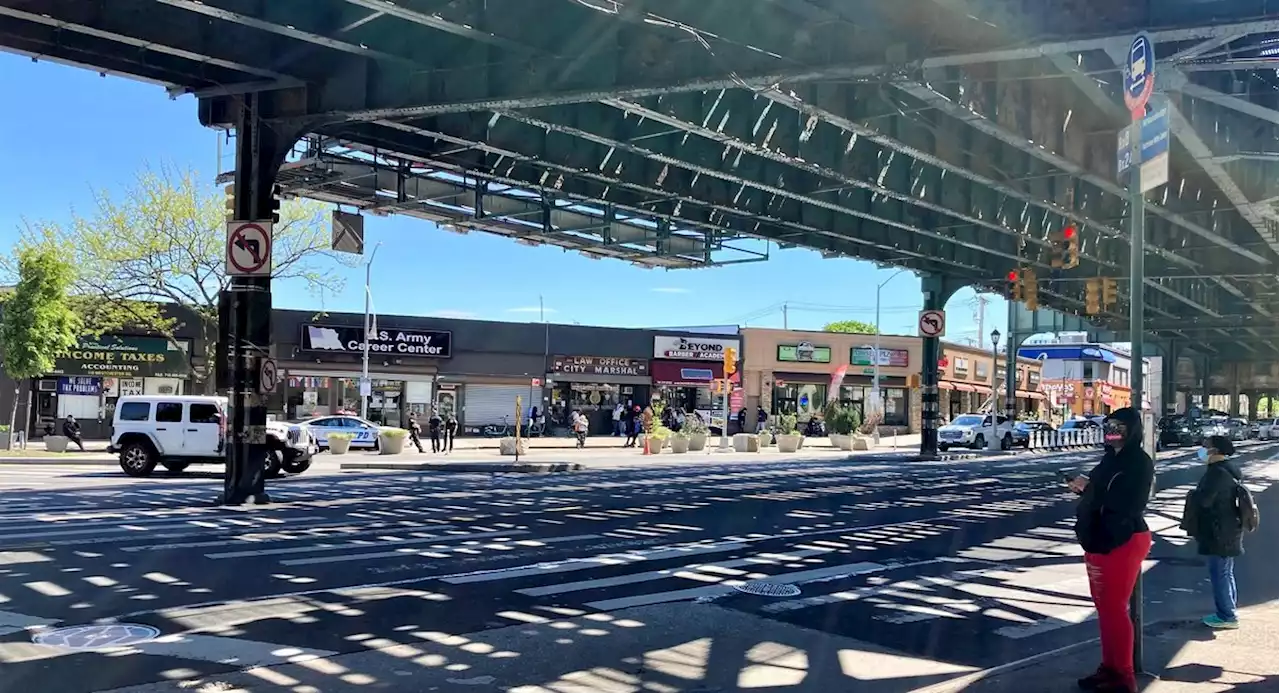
<point x="175" y="467"/>
<point x="271" y="469"/>
<point x="137" y="460"/>
<point x="980" y="442"/>
<point x="296" y="466"/>
<point x="943" y="448"/>
<point x="1006" y="443"/>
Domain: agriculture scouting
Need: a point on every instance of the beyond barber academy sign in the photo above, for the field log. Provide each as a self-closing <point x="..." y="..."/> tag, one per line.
<point x="344" y="339"/>
<point x="692" y="348"/>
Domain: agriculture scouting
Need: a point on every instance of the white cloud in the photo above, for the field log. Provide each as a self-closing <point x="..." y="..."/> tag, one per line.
<point x="531" y="309"/>
<point x="669" y="290"/>
<point x="453" y="314"/>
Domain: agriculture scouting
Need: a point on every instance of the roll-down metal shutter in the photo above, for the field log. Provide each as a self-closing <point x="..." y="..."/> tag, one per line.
<point x="488" y="404"/>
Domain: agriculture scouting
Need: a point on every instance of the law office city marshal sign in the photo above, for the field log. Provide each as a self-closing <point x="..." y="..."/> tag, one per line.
<point x="692" y="348"/>
<point x="349" y="339"/>
<point x="599" y="365"/>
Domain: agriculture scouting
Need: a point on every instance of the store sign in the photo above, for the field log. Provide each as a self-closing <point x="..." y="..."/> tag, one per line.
<point x="79" y="385"/>
<point x="804" y="352"/>
<point x="692" y="348"/>
<point x="599" y="365"/>
<point x="124" y="357"/>
<point x="345" y="339"/>
<point x="893" y="358"/>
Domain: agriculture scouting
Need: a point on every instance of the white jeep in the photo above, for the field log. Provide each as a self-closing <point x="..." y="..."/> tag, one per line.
<point x="178" y="431"/>
<point x="973" y="431"/>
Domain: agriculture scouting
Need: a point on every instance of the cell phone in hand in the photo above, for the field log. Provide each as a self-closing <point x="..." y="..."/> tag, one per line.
<point x="1068" y="477"/>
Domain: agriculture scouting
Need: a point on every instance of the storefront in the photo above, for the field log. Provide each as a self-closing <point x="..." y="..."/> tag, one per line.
<point x="967" y="376"/>
<point x="595" y="385"/>
<point x="87" y="382"/>
<point x="683" y="370"/>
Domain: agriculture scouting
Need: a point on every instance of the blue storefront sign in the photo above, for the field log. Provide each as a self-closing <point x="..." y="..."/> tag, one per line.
<point x="1154" y="150"/>
<point x="79" y="385"/>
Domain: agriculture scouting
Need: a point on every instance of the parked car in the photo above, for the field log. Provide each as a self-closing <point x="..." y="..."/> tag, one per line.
<point x="1267" y="429"/>
<point x="1023" y="429"/>
<point x="973" y="431"/>
<point x="1178" y="430"/>
<point x="364" y="433"/>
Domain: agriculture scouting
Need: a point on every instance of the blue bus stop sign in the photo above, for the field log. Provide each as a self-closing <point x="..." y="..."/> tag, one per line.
<point x="1139" y="75"/>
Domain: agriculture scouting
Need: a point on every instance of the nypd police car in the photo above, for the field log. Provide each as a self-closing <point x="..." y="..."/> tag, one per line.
<point x="364" y="434"/>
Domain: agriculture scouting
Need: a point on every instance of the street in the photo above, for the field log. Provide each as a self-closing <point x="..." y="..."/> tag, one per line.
<point x="863" y="573"/>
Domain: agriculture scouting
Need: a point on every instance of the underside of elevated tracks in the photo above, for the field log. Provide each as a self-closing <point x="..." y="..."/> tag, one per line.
<point x="951" y="137"/>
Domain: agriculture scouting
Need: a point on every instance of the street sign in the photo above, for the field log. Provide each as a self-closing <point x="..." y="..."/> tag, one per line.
<point x="366" y="387"/>
<point x="1139" y="75"/>
<point x="249" y="248"/>
<point x="268" y="376"/>
<point x="1153" y="158"/>
<point x="933" y="323"/>
<point x="348" y="232"/>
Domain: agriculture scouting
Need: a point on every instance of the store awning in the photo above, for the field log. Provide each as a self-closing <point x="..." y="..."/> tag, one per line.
<point x="963" y="387"/>
<point x="685" y="373"/>
<point x="982" y="389"/>
<point x="1025" y="394"/>
<point x="945" y="385"/>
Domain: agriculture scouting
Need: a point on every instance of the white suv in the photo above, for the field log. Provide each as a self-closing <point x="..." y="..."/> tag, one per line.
<point x="974" y="430"/>
<point x="177" y="431"/>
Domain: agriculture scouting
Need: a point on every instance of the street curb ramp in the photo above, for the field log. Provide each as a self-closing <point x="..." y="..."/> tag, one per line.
<point x="467" y="467"/>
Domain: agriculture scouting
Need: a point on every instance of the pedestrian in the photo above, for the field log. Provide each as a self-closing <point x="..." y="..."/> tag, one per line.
<point x="580" y="423"/>
<point x="434" y="424"/>
<point x="1111" y="530"/>
<point x="415" y="432"/>
<point x="1213" y="517"/>
<point x="632" y="425"/>
<point x="617" y="419"/>
<point x="71" y="429"/>
<point x="742" y="420"/>
<point x="761" y="419"/>
<point x="450" y="431"/>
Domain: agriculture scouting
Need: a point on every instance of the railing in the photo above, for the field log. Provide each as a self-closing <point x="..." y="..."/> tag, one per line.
<point x="1070" y="439"/>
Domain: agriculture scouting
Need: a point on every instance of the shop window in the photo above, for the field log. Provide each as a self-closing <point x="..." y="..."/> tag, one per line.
<point x="802" y="399"/>
<point x="592" y="396"/>
<point x="961" y="368"/>
<point x="980" y="370"/>
<point x="896" y="406"/>
<point x="168" y="412"/>
<point x="135" y="411"/>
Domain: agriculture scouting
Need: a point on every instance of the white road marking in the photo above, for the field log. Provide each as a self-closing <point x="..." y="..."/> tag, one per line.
<point x="341" y="546"/>
<point x="403" y="553"/>
<point x="576" y="564"/>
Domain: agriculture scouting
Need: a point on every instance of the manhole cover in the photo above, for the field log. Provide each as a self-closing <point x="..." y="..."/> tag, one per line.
<point x="97" y="637"/>
<point x="768" y="589"/>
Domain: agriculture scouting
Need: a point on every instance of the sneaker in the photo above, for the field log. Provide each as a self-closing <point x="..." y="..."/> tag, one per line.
<point x="1220" y="623"/>
<point x="1093" y="681"/>
<point x="1115" y="686"/>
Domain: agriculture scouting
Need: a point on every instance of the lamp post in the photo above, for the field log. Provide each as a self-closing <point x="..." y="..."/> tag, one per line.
<point x="877" y="402"/>
<point x="993" y="443"/>
<point x="366" y="387"/>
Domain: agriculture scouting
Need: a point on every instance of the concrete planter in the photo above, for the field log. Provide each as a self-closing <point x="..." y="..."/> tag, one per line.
<point x="840" y="441"/>
<point x="766" y="439"/>
<point x="679" y="444"/>
<point x="339" y="446"/>
<point x="56" y="443"/>
<point x="507" y="446"/>
<point x="389" y="444"/>
<point x="789" y="442"/>
<point x="745" y="442"/>
<point x="697" y="442"/>
<point x="861" y="443"/>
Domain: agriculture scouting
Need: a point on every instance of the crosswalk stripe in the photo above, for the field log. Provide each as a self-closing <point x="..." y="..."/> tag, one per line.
<point x="576" y="564"/>
<point x="364" y="544"/>
<point x="401" y="553"/>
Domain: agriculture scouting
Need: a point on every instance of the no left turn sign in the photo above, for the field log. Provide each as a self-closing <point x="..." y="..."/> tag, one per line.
<point x="268" y="377"/>
<point x="933" y="323"/>
<point x="249" y="248"/>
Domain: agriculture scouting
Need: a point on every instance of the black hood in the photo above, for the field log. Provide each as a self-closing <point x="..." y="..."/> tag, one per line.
<point x="1132" y="421"/>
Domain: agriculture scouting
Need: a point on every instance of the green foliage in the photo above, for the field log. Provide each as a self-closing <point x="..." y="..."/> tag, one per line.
<point x="162" y="242"/>
<point x="842" y="420"/>
<point x="870" y="423"/>
<point x="341" y="436"/>
<point x="393" y="433"/>
<point x="787" y="423"/>
<point x="854" y="326"/>
<point x="693" y="425"/>
<point x="39" y="323"/>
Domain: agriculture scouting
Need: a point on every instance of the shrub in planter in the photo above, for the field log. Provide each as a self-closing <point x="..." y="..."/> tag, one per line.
<point x="679" y="443"/>
<point x="765" y="438"/>
<point x="339" y="443"/>
<point x="745" y="442"/>
<point x="391" y="441"/>
<point x="696" y="429"/>
<point x="841" y="423"/>
<point x="788" y="439"/>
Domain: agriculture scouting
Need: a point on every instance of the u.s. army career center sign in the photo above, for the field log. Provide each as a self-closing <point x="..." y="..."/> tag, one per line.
<point x="344" y="339"/>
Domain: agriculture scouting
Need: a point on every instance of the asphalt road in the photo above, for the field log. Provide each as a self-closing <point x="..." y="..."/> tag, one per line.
<point x="883" y="574"/>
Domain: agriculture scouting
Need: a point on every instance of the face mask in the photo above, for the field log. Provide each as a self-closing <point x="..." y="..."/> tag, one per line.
<point x="1203" y="454"/>
<point x="1112" y="433"/>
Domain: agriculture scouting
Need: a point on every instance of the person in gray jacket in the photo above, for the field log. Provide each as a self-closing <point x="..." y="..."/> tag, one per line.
<point x="1212" y="517"/>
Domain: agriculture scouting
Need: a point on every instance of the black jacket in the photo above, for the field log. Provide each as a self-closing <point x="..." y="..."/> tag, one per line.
<point x="1210" y="515"/>
<point x="1112" y="505"/>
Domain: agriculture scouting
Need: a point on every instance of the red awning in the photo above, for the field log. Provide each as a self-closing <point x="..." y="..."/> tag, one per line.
<point x="945" y="385"/>
<point x="982" y="389"/>
<point x="963" y="387"/>
<point x="685" y="373"/>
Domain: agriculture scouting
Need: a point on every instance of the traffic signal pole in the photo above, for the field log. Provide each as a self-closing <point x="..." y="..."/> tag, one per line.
<point x="1137" y="243"/>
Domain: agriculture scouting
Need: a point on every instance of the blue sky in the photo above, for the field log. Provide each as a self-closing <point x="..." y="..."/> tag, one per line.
<point x="80" y="131"/>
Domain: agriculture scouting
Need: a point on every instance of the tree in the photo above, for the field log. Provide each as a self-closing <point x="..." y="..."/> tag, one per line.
<point x="39" y="323"/>
<point x="161" y="245"/>
<point x="854" y="326"/>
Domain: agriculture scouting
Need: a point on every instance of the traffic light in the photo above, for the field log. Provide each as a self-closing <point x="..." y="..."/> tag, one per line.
<point x="730" y="361"/>
<point x="1093" y="296"/>
<point x="1030" y="289"/>
<point x="275" y="204"/>
<point x="230" y="191"/>
<point x="1015" y="285"/>
<point x="1072" y="251"/>
<point x="1109" y="294"/>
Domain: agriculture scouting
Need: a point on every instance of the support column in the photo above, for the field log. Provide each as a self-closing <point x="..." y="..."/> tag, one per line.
<point x="1169" y="378"/>
<point x="1012" y="342"/>
<point x="244" y="319"/>
<point x="1204" y="383"/>
<point x="937" y="289"/>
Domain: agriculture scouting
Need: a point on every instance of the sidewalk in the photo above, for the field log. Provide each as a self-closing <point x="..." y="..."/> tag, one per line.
<point x="1185" y="655"/>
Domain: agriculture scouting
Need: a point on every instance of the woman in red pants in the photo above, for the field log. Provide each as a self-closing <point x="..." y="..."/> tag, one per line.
<point x="1115" y="538"/>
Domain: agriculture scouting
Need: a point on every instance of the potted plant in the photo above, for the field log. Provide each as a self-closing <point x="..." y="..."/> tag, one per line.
<point x="6" y="438"/>
<point x="696" y="429"/>
<point x="765" y="438"/>
<point x="788" y="439"/>
<point x="867" y="431"/>
<point x="746" y="442"/>
<point x="391" y="441"/>
<point x="679" y="442"/>
<point x="841" y="423"/>
<point x="339" y="443"/>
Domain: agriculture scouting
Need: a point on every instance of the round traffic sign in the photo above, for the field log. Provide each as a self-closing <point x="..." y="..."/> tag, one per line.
<point x="933" y="323"/>
<point x="268" y="376"/>
<point x="1139" y="75"/>
<point x="249" y="249"/>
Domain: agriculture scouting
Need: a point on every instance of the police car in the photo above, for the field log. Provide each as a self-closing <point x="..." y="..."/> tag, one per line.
<point x="364" y="433"/>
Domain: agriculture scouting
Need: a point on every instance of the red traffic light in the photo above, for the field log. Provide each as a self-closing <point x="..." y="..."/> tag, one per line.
<point x="1013" y="275"/>
<point x="1069" y="232"/>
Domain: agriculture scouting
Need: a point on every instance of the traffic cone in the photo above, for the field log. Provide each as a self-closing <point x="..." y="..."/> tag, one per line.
<point x="646" y="445"/>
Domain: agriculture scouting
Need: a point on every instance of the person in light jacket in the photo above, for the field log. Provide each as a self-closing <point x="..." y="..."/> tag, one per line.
<point x="1212" y="518"/>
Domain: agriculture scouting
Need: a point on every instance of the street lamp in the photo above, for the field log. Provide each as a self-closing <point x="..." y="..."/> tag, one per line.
<point x="994" y="442"/>
<point x="366" y="386"/>
<point x="876" y="401"/>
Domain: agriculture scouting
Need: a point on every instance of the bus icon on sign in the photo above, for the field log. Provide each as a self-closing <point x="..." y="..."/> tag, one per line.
<point x="1137" y="63"/>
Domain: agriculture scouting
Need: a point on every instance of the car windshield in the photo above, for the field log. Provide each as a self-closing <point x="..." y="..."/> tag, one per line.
<point x="967" y="420"/>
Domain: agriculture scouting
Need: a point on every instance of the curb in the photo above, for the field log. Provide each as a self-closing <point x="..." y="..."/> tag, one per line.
<point x="63" y="461"/>
<point x="467" y="467"/>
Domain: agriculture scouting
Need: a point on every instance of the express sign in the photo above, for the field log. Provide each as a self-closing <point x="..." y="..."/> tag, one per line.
<point x="692" y="348"/>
